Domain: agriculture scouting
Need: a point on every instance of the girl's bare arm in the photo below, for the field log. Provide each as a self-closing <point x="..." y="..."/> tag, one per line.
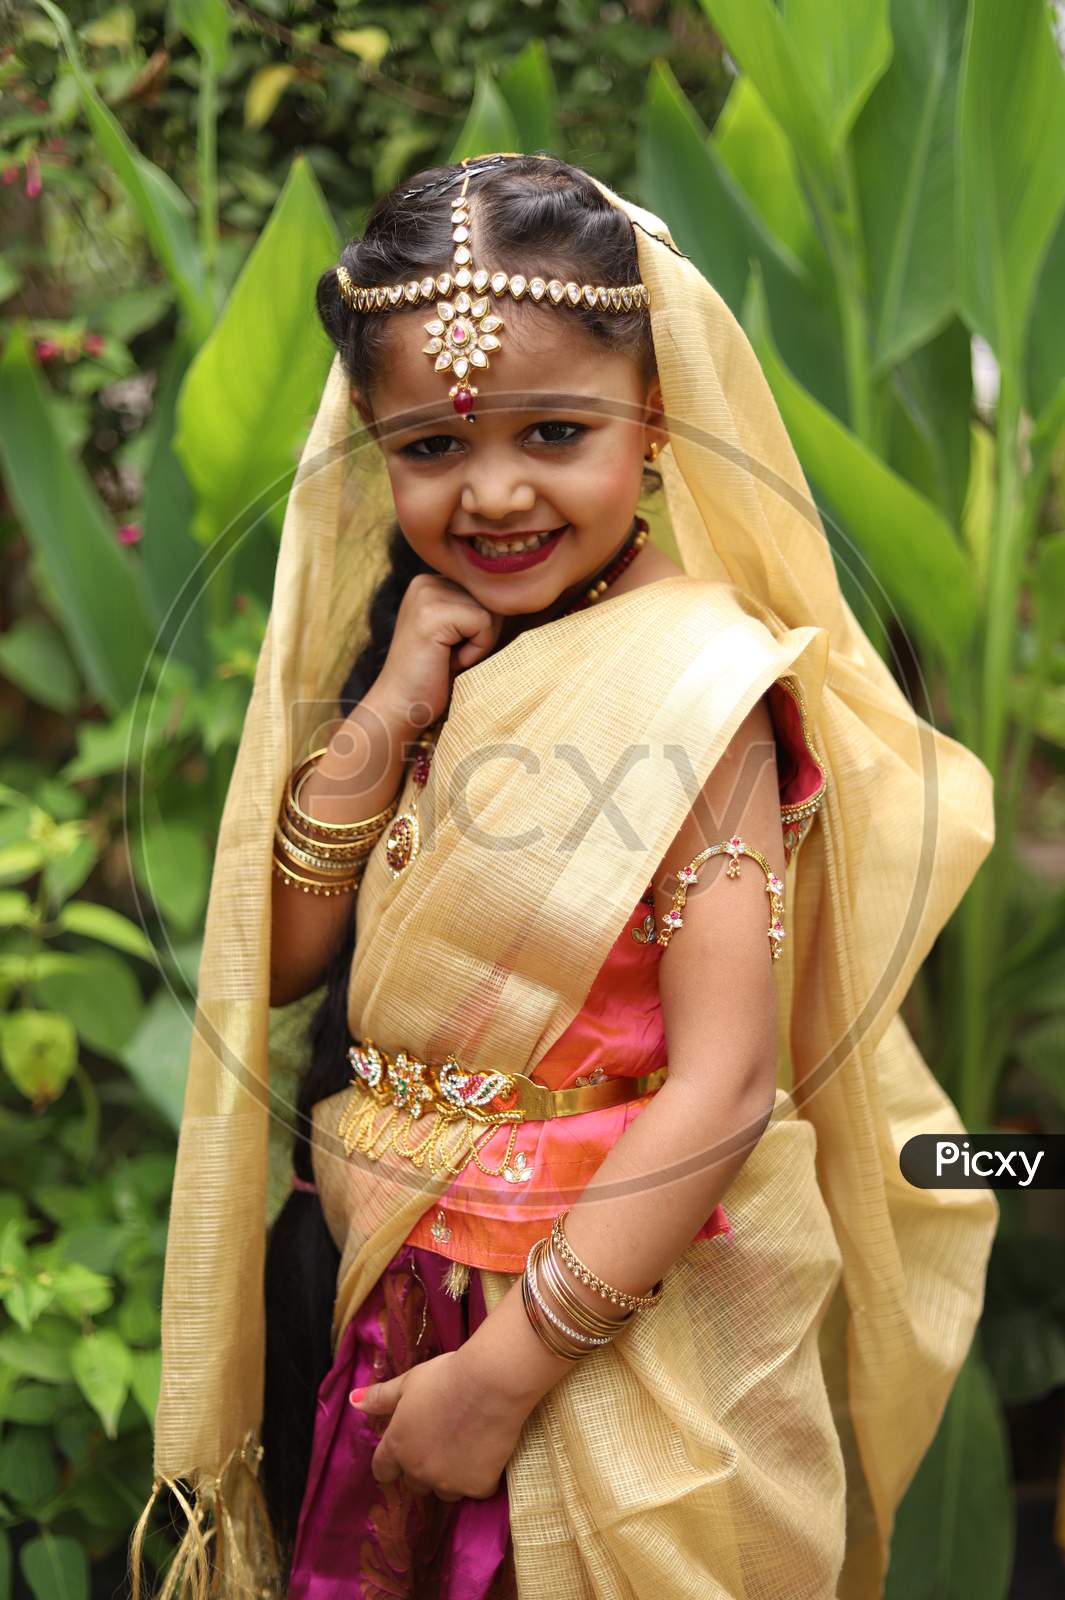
<point x="677" y="1159"/>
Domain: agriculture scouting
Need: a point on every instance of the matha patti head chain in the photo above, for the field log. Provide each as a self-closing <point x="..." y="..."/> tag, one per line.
<point x="465" y="329"/>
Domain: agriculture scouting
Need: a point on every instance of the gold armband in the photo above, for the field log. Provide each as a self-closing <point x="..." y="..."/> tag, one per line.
<point x="734" y="847"/>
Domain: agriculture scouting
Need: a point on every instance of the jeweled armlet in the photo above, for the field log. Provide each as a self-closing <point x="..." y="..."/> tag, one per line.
<point x="733" y="847"/>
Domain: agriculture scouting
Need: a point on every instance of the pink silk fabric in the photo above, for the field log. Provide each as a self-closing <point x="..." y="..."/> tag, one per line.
<point x="490" y="1222"/>
<point x="358" y="1539"/>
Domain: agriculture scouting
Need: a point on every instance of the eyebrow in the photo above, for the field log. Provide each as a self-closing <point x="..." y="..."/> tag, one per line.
<point x="432" y="415"/>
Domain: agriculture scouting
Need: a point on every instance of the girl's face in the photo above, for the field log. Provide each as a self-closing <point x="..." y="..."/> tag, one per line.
<point x="562" y="428"/>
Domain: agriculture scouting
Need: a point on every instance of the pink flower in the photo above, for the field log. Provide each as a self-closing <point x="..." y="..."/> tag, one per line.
<point x="9" y="174"/>
<point x="33" y="179"/>
<point x="47" y="349"/>
<point x="129" y="533"/>
<point x="92" y="344"/>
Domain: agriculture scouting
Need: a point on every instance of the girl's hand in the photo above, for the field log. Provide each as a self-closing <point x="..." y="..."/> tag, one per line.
<point x="451" y="1434"/>
<point x="440" y="629"/>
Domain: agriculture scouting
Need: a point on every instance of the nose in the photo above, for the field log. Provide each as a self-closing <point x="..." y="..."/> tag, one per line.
<point x="496" y="491"/>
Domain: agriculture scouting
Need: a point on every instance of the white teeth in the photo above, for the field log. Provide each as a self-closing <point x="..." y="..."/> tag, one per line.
<point x="510" y="547"/>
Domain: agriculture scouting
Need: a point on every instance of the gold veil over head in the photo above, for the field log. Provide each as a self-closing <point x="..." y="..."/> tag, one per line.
<point x="753" y="1436"/>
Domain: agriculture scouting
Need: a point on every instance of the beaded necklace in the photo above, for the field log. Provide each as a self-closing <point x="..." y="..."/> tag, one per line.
<point x="403" y="839"/>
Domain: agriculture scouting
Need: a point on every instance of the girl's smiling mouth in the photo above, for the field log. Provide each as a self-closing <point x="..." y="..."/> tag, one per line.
<point x="476" y="549"/>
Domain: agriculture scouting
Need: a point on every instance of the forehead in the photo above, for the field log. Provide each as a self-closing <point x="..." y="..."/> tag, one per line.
<point x="543" y="351"/>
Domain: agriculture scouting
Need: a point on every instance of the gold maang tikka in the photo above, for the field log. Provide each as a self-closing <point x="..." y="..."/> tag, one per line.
<point x="464" y="330"/>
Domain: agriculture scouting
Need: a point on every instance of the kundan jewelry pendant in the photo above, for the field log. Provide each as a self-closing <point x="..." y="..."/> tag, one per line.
<point x="404" y="836"/>
<point x="463" y="331"/>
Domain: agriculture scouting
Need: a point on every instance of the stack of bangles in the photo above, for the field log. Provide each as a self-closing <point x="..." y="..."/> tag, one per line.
<point x="546" y="1265"/>
<point x="336" y="850"/>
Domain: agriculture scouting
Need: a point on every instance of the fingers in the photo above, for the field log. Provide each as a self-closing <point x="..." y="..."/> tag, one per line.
<point x="378" y="1399"/>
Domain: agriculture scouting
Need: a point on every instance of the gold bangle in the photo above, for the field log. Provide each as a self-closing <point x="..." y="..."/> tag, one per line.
<point x="306" y="858"/>
<point x="332" y="857"/>
<point x="535" y="1312"/>
<point x="309" y="885"/>
<point x="586" y="1319"/>
<point x="349" y="832"/>
<point x="586" y="1275"/>
<point x="335" y="850"/>
<point x="585" y="1343"/>
<point x="354" y="833"/>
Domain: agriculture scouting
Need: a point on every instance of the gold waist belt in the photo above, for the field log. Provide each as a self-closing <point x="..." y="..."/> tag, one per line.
<point x="461" y="1111"/>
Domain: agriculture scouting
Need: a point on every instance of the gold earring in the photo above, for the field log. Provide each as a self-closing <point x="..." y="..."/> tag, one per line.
<point x="652" y="455"/>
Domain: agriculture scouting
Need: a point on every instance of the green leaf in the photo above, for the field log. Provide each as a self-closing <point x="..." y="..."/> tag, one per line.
<point x="206" y="23"/>
<point x="1011" y="168"/>
<point x="64" y="875"/>
<point x="43" y="1354"/>
<point x="164" y="212"/>
<point x="844" y="47"/>
<point x="97" y="588"/>
<point x="16" y="909"/>
<point x="55" y="1567"/>
<point x="527" y="85"/>
<point x="99" y="995"/>
<point x="907" y="131"/>
<point x="157" y="1056"/>
<point x="758" y="38"/>
<point x="115" y="28"/>
<point x="33" y="654"/>
<point x="253" y="387"/>
<point x="489" y="125"/>
<point x="1046" y="333"/>
<point x="953" y="1535"/>
<point x="80" y="1291"/>
<point x="712" y="220"/>
<point x="370" y="44"/>
<point x="1041" y="706"/>
<point x="25" y="1299"/>
<point x="909" y="546"/>
<point x="28" y="1473"/>
<point x="1048" y="591"/>
<point x="928" y="441"/>
<point x="264" y="91"/>
<point x="103" y="1370"/>
<point x="20" y="860"/>
<point x="34" y="1404"/>
<point x="38" y="1051"/>
<point x="145" y="1378"/>
<point x="173" y="868"/>
<point x="174" y="577"/>
<point x="106" y="925"/>
<point x="758" y="154"/>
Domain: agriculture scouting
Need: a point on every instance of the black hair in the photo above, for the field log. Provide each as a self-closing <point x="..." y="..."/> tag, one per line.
<point x="529" y="214"/>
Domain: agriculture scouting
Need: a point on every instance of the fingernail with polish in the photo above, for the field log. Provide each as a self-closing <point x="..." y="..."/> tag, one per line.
<point x="355" y="1397"/>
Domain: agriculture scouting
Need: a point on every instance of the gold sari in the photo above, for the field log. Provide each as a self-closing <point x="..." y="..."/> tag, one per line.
<point x="752" y="1437"/>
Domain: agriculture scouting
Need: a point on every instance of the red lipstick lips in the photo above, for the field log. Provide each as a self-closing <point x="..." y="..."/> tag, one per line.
<point x="512" y="563"/>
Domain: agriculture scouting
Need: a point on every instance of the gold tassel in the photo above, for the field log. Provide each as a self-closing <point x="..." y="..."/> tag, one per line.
<point x="245" y="1554"/>
<point x="456" y="1279"/>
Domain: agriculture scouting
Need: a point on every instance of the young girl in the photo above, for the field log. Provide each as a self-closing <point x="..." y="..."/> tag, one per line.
<point x="514" y="1342"/>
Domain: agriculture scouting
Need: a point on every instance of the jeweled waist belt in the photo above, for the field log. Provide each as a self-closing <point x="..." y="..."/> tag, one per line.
<point x="457" y="1111"/>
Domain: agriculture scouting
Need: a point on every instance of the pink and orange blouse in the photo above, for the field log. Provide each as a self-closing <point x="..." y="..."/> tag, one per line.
<point x="488" y="1221"/>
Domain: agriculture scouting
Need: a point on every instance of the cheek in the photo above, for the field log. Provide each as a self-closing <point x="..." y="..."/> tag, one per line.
<point x="418" y="506"/>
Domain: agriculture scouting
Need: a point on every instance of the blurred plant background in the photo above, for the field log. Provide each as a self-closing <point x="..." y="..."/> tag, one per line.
<point x="878" y="191"/>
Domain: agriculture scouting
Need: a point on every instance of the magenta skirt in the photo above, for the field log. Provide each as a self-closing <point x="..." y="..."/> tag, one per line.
<point x="361" y="1540"/>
